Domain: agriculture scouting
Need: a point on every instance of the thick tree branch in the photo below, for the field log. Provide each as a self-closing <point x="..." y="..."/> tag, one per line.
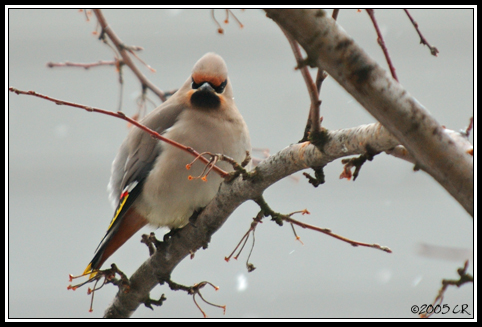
<point x="330" y="48"/>
<point x="293" y="158"/>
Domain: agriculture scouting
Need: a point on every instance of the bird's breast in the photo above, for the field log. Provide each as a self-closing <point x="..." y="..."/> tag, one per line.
<point x="172" y="192"/>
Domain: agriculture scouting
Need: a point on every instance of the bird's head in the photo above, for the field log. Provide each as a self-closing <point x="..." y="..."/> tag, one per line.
<point x="210" y="87"/>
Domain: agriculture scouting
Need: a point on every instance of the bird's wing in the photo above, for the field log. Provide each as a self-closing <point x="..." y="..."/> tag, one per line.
<point x="130" y="168"/>
<point x="139" y="151"/>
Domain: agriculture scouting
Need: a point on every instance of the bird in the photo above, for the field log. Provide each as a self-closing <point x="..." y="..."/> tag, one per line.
<point x="149" y="182"/>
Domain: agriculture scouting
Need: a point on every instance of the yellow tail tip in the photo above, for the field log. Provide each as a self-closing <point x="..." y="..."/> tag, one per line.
<point x="90" y="271"/>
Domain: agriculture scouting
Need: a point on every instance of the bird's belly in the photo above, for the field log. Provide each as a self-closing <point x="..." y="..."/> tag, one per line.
<point x="170" y="196"/>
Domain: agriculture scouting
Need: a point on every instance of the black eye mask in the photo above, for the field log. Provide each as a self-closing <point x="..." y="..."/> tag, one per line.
<point x="219" y="89"/>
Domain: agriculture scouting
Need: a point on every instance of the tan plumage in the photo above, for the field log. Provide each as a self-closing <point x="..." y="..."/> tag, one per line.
<point x="149" y="181"/>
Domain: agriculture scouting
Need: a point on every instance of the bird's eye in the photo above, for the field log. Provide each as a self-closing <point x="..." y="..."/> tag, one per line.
<point x="195" y="85"/>
<point x="221" y="87"/>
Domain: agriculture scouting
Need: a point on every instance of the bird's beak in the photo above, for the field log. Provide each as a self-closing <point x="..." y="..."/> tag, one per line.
<point x="206" y="87"/>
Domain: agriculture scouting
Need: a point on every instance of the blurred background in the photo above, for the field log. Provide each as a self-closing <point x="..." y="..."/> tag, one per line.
<point x="60" y="157"/>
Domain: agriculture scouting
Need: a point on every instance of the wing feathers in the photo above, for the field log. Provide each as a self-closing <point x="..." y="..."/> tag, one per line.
<point x="126" y="222"/>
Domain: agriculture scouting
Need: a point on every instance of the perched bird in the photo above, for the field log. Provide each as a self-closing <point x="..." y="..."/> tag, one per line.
<point x="149" y="181"/>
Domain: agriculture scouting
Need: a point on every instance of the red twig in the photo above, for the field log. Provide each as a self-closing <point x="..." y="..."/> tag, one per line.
<point x="123" y="51"/>
<point x="279" y="218"/>
<point x="328" y="232"/>
<point x="469" y="128"/>
<point x="311" y="86"/>
<point x="131" y="50"/>
<point x="226" y="20"/>
<point x="82" y="65"/>
<point x="371" y="13"/>
<point x="433" y="50"/>
<point x="121" y="115"/>
<point x="314" y="88"/>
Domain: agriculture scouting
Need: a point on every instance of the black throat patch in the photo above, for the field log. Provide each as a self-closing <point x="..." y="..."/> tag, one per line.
<point x="205" y="100"/>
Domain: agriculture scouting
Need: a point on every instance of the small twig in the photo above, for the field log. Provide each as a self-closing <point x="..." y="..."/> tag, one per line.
<point x="239" y="169"/>
<point x="119" y="65"/>
<point x="251" y="230"/>
<point x="131" y="50"/>
<point x="249" y="265"/>
<point x="220" y="29"/>
<point x="279" y="218"/>
<point x="207" y="169"/>
<point x="82" y="65"/>
<point x="226" y="20"/>
<point x="121" y="115"/>
<point x="464" y="278"/>
<point x="149" y="302"/>
<point x="303" y="212"/>
<point x="141" y="102"/>
<point x="103" y="38"/>
<point x="371" y="13"/>
<point x="215" y="157"/>
<point x="87" y="14"/>
<point x="469" y="127"/>
<point x="151" y="241"/>
<point x="123" y="51"/>
<point x="357" y="163"/>
<point x="243" y="240"/>
<point x="310" y="85"/>
<point x="229" y="11"/>
<point x="107" y="276"/>
<point x="328" y="232"/>
<point x="433" y="50"/>
<point x="320" y="77"/>
<point x="193" y="290"/>
<point x="319" y="176"/>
